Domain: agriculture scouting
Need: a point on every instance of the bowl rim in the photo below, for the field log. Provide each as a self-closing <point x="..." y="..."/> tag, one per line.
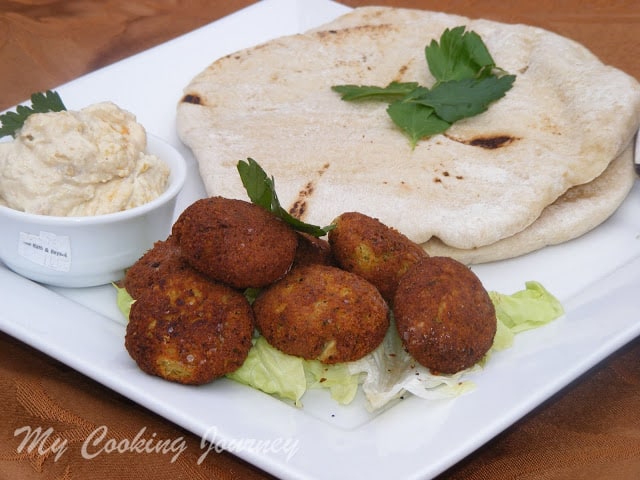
<point x="177" y="178"/>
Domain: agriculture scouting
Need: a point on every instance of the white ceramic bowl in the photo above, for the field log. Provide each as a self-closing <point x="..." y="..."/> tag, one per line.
<point x="92" y="250"/>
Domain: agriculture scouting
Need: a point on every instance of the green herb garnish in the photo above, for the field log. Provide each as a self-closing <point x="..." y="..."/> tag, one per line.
<point x="459" y="55"/>
<point x="393" y="91"/>
<point x="40" y="103"/>
<point x="467" y="82"/>
<point x="262" y="191"/>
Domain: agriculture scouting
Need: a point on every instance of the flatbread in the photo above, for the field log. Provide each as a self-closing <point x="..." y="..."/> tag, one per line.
<point x="566" y="118"/>
<point x="579" y="210"/>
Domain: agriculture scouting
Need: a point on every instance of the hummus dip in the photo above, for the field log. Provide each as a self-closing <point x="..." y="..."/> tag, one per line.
<point x="79" y="163"/>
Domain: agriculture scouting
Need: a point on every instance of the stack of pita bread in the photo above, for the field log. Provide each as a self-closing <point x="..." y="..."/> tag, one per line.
<point x="546" y="163"/>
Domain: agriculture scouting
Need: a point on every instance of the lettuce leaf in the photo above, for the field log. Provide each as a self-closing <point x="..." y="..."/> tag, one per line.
<point x="338" y="379"/>
<point x="526" y="309"/>
<point x="123" y="300"/>
<point x="289" y="377"/>
<point x="271" y="371"/>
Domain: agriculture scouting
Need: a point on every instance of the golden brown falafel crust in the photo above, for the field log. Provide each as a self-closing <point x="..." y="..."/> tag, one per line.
<point x="162" y="258"/>
<point x="189" y="329"/>
<point x="443" y="314"/>
<point x="312" y="250"/>
<point x="369" y="248"/>
<point x="321" y="312"/>
<point x="235" y="242"/>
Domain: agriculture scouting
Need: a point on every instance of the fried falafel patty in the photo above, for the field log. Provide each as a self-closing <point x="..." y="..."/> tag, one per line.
<point x="189" y="329"/>
<point x="320" y="312"/>
<point x="312" y="250"/>
<point x="369" y="248"/>
<point x="443" y="314"/>
<point x="235" y="242"/>
<point x="164" y="257"/>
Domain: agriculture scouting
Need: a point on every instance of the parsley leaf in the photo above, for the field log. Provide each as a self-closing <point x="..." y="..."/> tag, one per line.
<point x="416" y="120"/>
<point x="40" y="103"/>
<point x="458" y="99"/>
<point x="459" y="55"/>
<point x="393" y="91"/>
<point x="467" y="82"/>
<point x="262" y="191"/>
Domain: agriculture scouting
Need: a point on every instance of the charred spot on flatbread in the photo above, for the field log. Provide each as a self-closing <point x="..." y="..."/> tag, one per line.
<point x="491" y="142"/>
<point x="192" y="98"/>
<point x="486" y="141"/>
<point x="299" y="206"/>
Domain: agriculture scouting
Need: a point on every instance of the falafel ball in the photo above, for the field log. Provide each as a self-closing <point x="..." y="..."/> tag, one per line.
<point x="312" y="250"/>
<point x="443" y="314"/>
<point x="155" y="263"/>
<point x="189" y="329"/>
<point x="320" y="312"/>
<point x="235" y="242"/>
<point x="373" y="250"/>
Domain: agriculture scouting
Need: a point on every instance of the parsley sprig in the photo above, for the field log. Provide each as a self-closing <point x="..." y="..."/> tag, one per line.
<point x="467" y="82"/>
<point x="261" y="190"/>
<point x="40" y="103"/>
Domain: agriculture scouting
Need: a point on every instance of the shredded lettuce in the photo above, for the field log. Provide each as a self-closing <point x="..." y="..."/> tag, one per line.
<point x="389" y="371"/>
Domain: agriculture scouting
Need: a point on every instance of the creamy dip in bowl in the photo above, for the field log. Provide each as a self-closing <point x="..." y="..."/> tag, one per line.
<point x="95" y="249"/>
<point x="77" y="163"/>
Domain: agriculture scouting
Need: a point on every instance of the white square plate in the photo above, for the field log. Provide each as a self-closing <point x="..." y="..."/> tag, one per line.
<point x="597" y="277"/>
